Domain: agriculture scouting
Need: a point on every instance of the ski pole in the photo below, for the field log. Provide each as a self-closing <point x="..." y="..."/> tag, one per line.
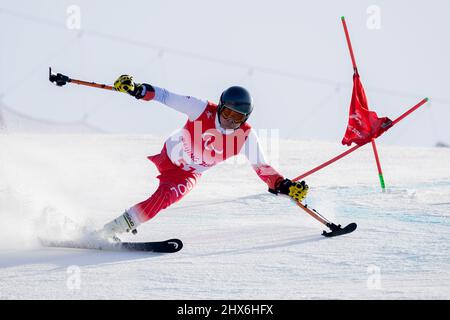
<point x="313" y="213"/>
<point x="60" y="80"/>
<point x="336" y="230"/>
<point x="404" y="115"/>
<point x="355" y="69"/>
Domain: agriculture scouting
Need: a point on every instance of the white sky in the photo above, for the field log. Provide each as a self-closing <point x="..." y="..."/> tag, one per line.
<point x="201" y="47"/>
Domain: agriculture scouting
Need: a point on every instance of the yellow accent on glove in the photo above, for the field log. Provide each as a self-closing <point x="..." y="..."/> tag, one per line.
<point x="124" y="83"/>
<point x="298" y="191"/>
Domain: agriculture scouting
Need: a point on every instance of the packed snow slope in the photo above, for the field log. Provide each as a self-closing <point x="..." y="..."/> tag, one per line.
<point x="240" y="242"/>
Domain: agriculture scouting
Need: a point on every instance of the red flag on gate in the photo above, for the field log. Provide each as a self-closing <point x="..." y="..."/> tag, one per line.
<point x="363" y="125"/>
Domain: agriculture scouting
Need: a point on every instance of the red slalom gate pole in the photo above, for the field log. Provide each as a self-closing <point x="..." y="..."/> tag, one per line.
<point x="407" y="113"/>
<point x="325" y="164"/>
<point x="380" y="171"/>
<point x="400" y="118"/>
<point x="355" y="69"/>
<point x="350" y="48"/>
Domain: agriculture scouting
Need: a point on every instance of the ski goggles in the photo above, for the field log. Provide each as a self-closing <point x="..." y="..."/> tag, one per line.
<point x="237" y="117"/>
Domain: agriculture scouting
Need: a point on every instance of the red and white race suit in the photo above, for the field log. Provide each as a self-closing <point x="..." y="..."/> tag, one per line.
<point x="199" y="145"/>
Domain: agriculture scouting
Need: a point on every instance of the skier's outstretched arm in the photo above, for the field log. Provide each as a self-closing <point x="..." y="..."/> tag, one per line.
<point x="188" y="105"/>
<point x="274" y="180"/>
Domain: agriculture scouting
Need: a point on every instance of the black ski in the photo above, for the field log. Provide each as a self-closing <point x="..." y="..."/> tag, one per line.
<point x="337" y="230"/>
<point x="167" y="246"/>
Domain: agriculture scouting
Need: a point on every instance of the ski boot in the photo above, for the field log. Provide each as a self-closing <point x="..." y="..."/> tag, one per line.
<point x="122" y="224"/>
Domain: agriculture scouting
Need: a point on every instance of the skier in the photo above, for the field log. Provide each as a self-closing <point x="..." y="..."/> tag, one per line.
<point x="212" y="134"/>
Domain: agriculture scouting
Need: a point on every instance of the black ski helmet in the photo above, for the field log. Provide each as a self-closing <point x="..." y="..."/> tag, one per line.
<point x="237" y="99"/>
